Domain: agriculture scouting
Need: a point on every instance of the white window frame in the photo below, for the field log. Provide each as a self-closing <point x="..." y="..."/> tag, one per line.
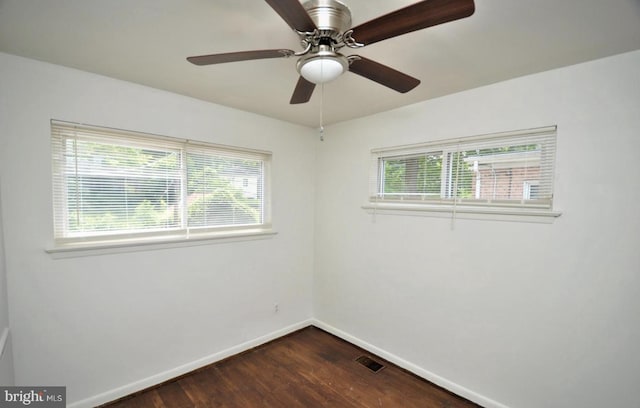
<point x="69" y="242"/>
<point x="446" y="204"/>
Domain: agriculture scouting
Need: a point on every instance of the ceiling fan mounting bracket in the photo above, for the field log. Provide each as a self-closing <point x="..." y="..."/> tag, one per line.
<point x="286" y="53"/>
<point x="308" y="46"/>
<point x="349" y="41"/>
<point x="352" y="58"/>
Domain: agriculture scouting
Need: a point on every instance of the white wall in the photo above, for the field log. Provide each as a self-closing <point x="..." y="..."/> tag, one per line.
<point x="102" y="322"/>
<point x="528" y="315"/>
<point x="525" y="315"/>
<point x="6" y="352"/>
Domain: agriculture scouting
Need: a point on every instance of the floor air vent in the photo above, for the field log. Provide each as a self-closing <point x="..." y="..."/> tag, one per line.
<point x="370" y="364"/>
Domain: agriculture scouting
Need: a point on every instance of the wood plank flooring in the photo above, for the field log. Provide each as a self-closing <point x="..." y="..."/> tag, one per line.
<point x="307" y="369"/>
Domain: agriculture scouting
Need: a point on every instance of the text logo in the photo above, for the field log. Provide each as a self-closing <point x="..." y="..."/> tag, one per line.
<point x="41" y="397"/>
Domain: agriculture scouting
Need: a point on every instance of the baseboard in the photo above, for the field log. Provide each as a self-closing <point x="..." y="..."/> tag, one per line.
<point x="3" y="340"/>
<point x="185" y="368"/>
<point x="419" y="371"/>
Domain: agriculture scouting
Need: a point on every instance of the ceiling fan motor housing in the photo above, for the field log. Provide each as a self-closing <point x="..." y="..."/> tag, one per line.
<point x="330" y="16"/>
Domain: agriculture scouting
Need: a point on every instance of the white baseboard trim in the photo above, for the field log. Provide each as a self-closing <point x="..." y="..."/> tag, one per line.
<point x="419" y="371"/>
<point x="204" y="361"/>
<point x="185" y="368"/>
<point x="3" y="340"/>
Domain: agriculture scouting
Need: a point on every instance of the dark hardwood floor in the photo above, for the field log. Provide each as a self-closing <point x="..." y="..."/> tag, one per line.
<point x="309" y="368"/>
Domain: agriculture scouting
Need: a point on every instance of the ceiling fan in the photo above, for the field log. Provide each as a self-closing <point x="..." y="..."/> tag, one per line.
<point x="324" y="27"/>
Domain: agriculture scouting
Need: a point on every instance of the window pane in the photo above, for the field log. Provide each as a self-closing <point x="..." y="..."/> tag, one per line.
<point x="499" y="173"/>
<point x="224" y="191"/>
<point x="120" y="188"/>
<point x="413" y="177"/>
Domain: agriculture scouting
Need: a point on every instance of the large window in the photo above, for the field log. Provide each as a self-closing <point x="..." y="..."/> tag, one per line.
<point x="111" y="184"/>
<point x="512" y="169"/>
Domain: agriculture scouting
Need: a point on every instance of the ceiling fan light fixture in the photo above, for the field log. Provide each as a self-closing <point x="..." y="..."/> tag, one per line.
<point x="323" y="66"/>
<point x="321" y="70"/>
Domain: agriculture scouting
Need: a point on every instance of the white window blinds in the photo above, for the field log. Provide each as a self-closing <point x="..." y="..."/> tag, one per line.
<point x="110" y="183"/>
<point x="505" y="169"/>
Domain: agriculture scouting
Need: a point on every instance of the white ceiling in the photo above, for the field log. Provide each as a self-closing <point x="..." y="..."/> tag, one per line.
<point x="147" y="41"/>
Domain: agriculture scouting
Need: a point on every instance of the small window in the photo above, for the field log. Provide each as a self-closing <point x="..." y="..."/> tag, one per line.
<point x="112" y="184"/>
<point x="512" y="169"/>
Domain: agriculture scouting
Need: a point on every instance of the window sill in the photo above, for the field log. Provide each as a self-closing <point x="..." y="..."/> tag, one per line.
<point x="535" y="215"/>
<point x="74" y="250"/>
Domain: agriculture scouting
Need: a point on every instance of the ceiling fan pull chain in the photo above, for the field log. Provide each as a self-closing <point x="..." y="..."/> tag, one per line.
<point x="322" y="112"/>
<point x="321" y="105"/>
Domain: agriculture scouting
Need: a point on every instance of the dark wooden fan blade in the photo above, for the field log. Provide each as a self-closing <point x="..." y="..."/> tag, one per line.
<point x="302" y="93"/>
<point x="238" y="56"/>
<point x="293" y="14"/>
<point x="415" y="17"/>
<point x="383" y="75"/>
